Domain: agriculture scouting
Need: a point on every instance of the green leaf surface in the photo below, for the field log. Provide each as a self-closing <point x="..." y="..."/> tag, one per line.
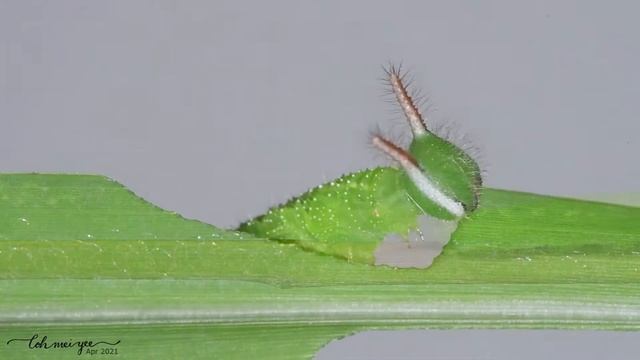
<point x="83" y="257"/>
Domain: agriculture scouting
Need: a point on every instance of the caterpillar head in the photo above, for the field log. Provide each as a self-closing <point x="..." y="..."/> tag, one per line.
<point x="441" y="178"/>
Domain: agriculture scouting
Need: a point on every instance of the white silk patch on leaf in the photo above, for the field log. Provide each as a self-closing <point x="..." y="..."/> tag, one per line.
<point x="420" y="247"/>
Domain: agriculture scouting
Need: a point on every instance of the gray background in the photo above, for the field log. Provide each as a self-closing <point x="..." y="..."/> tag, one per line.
<point x="218" y="109"/>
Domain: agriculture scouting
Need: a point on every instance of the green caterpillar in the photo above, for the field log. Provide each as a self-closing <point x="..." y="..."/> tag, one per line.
<point x="350" y="216"/>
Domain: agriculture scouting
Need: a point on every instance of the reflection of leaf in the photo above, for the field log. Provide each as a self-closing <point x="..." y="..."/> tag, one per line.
<point x="175" y="288"/>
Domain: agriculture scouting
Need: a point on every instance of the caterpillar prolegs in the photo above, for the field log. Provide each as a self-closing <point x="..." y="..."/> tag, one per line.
<point x="350" y="216"/>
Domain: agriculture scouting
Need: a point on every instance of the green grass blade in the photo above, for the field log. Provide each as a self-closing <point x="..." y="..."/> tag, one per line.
<point x="168" y="287"/>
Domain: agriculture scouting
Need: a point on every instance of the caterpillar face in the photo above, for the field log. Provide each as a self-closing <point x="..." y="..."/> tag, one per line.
<point x="350" y="216"/>
<point x="440" y="177"/>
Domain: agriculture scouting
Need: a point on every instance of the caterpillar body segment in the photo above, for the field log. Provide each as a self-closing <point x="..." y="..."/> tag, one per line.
<point x="350" y="216"/>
